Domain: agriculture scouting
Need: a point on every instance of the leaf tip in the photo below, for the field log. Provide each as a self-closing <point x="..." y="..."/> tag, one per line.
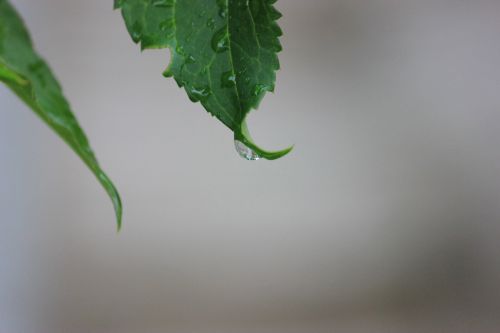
<point x="243" y="135"/>
<point x="117" y="204"/>
<point x="118" y="213"/>
<point x="113" y="195"/>
<point x="274" y="155"/>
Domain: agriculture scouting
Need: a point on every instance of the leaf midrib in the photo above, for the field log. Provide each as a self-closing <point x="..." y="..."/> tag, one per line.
<point x="230" y="50"/>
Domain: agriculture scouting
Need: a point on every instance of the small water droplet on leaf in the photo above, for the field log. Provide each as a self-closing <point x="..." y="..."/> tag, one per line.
<point x="228" y="79"/>
<point x="222" y="8"/>
<point x="197" y="94"/>
<point x="220" y="41"/>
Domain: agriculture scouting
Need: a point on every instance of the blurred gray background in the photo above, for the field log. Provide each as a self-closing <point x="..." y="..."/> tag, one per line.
<point x="385" y="218"/>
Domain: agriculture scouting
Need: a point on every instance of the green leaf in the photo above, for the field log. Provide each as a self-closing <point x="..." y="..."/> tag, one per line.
<point x="223" y="52"/>
<point x="27" y="75"/>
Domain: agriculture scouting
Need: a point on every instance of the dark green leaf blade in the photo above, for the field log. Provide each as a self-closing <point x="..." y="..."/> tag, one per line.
<point x="223" y="52"/>
<point x="25" y="73"/>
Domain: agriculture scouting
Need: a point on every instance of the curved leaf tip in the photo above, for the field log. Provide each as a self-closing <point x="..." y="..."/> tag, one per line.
<point x="114" y="195"/>
<point x="243" y="135"/>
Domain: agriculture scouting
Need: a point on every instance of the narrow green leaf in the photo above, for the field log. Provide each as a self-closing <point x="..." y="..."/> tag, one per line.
<point x="223" y="52"/>
<point x="25" y="73"/>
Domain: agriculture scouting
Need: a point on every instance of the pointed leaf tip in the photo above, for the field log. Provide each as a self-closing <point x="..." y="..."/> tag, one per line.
<point x="243" y="135"/>
<point x="31" y="79"/>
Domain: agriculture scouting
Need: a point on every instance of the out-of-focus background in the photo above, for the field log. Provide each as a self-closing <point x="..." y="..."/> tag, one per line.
<point x="385" y="218"/>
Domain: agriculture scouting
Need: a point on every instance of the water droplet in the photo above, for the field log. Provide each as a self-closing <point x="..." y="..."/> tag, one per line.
<point x="223" y="13"/>
<point x="197" y="94"/>
<point x="245" y="152"/>
<point x="220" y="41"/>
<point x="222" y="8"/>
<point x="228" y="79"/>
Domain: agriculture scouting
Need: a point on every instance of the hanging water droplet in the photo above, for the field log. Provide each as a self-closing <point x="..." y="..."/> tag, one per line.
<point x="245" y="152"/>
<point x="220" y="41"/>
